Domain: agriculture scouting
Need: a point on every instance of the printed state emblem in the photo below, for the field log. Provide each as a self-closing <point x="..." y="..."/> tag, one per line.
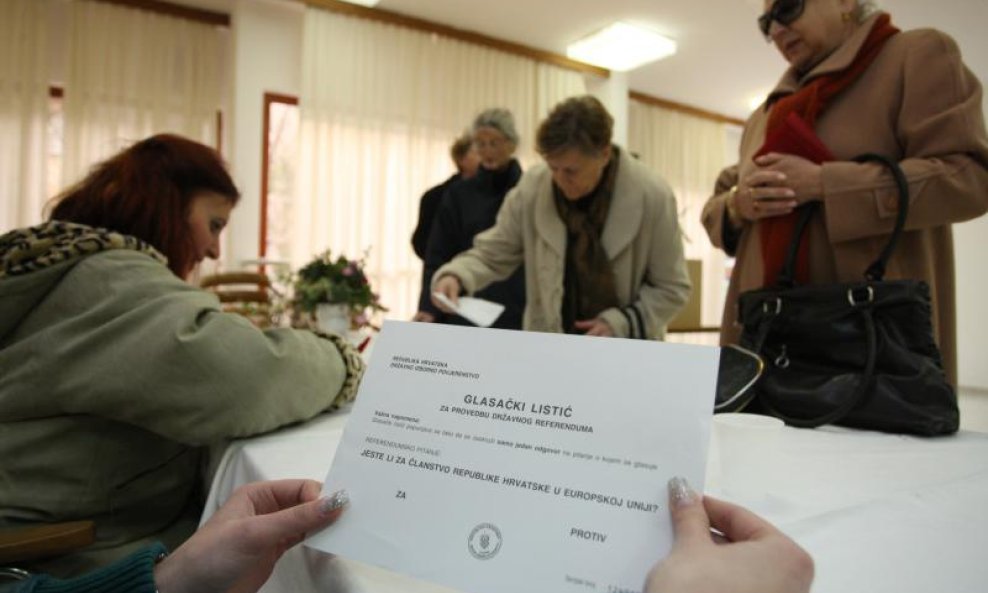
<point x="484" y="541"/>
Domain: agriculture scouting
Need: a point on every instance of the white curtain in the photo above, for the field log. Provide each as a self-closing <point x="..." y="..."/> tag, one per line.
<point x="133" y="73"/>
<point x="380" y="105"/>
<point x="689" y="152"/>
<point x="23" y="111"/>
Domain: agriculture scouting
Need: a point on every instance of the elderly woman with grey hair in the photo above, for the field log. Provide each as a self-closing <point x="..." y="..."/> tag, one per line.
<point x="471" y="206"/>
<point x="597" y="232"/>
<point x="855" y="85"/>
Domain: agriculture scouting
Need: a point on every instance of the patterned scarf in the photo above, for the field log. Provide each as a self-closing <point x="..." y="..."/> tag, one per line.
<point x="39" y="247"/>
<point x="35" y="248"/>
<point x="588" y="283"/>
<point x="808" y="103"/>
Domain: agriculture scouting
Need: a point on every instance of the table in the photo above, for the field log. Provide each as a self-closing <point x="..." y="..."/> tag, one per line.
<point x="878" y="512"/>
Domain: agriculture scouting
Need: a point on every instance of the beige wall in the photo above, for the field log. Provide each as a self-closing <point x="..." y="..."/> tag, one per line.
<point x="267" y="50"/>
<point x="971" y="245"/>
<point x="971" y="248"/>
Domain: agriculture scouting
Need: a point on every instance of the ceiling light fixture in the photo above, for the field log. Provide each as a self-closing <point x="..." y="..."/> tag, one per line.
<point x="621" y="47"/>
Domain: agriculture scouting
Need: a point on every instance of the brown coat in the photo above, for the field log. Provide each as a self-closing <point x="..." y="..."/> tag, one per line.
<point x="918" y="103"/>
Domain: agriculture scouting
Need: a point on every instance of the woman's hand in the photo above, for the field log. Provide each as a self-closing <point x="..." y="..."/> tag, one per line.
<point x="235" y="551"/>
<point x="424" y="317"/>
<point x="761" y="194"/>
<point x="802" y="176"/>
<point x="448" y="286"/>
<point x="757" y="557"/>
<point x="594" y="327"/>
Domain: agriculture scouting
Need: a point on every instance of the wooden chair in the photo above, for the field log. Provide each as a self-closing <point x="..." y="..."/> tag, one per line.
<point x="245" y="293"/>
<point x="20" y="545"/>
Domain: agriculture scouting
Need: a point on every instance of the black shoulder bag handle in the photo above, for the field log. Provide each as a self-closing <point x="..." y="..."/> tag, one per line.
<point x="859" y="298"/>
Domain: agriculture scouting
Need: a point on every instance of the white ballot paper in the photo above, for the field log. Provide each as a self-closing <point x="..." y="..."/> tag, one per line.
<point x="495" y="460"/>
<point x="477" y="311"/>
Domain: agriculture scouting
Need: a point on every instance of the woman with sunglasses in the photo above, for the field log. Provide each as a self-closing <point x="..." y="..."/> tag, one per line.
<point x="855" y="84"/>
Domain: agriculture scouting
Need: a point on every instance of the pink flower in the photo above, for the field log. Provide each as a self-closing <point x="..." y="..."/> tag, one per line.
<point x="348" y="271"/>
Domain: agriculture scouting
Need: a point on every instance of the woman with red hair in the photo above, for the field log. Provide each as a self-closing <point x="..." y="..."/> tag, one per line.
<point x="149" y="191"/>
<point x="116" y="374"/>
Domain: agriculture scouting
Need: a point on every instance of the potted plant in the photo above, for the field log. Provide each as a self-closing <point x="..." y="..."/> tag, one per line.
<point x="336" y="292"/>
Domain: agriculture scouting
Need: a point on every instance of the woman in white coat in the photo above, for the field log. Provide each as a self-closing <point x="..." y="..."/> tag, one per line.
<point x="597" y="231"/>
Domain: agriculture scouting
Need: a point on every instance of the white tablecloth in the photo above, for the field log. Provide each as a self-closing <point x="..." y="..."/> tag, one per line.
<point x="879" y="513"/>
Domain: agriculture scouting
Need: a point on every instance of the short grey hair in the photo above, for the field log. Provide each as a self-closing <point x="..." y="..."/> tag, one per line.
<point x="499" y="119"/>
<point x="865" y="9"/>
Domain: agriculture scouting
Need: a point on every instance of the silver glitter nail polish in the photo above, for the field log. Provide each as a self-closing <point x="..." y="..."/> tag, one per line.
<point x="337" y="500"/>
<point x="680" y="492"/>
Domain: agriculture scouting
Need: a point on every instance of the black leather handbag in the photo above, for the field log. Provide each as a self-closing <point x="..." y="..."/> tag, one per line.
<point x="859" y="354"/>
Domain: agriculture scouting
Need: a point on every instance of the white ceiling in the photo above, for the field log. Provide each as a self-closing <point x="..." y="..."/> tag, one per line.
<point x="722" y="62"/>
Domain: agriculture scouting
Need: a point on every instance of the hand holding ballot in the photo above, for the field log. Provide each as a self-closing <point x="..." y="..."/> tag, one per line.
<point x="479" y="312"/>
<point x="237" y="548"/>
<point x="501" y="461"/>
<point x="468" y="452"/>
<point x="698" y="564"/>
<point x="757" y="558"/>
<point x="449" y="287"/>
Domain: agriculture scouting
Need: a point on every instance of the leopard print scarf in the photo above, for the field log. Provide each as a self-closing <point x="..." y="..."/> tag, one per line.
<point x="39" y="247"/>
<point x="27" y="250"/>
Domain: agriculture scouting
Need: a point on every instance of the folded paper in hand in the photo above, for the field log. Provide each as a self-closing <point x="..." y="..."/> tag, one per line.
<point x="476" y="311"/>
<point x="487" y="461"/>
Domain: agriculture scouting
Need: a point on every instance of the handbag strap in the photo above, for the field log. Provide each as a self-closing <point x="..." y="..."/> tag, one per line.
<point x="787" y="277"/>
<point x="876" y="271"/>
<point x="853" y="401"/>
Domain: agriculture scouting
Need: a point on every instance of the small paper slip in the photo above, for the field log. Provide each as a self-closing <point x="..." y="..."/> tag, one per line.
<point x="495" y="460"/>
<point x="477" y="311"/>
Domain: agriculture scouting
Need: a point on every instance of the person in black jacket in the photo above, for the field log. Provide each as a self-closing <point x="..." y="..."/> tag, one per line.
<point x="471" y="206"/>
<point x="466" y="160"/>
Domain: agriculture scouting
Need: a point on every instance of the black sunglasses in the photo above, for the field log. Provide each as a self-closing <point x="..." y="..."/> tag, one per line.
<point x="782" y="11"/>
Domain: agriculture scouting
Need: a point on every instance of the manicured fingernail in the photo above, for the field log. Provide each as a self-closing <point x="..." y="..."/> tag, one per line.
<point x="333" y="502"/>
<point x="680" y="493"/>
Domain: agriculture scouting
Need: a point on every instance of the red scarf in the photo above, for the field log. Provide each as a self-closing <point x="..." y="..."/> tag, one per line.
<point x="790" y="130"/>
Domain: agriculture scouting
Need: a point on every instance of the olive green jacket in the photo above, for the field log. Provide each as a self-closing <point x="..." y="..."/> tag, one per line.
<point x="115" y="375"/>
